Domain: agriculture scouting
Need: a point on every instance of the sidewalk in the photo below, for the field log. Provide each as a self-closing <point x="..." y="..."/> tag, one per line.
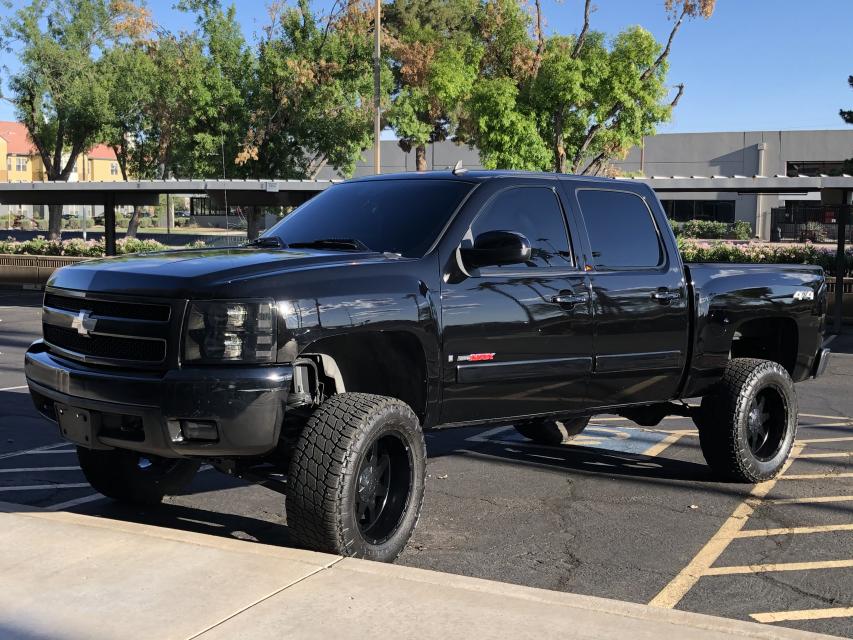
<point x="66" y="576"/>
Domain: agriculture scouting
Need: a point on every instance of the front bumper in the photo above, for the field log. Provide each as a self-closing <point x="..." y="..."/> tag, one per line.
<point x="143" y="411"/>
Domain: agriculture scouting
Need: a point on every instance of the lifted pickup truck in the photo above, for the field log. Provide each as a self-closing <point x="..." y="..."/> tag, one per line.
<point x="312" y="359"/>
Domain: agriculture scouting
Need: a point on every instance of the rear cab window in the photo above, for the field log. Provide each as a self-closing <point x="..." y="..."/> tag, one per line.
<point x="621" y="229"/>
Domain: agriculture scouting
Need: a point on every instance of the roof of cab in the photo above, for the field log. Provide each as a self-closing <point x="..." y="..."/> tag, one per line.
<point x="481" y="175"/>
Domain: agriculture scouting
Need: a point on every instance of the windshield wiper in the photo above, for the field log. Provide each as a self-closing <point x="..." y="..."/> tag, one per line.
<point x="342" y="244"/>
<point x="271" y="242"/>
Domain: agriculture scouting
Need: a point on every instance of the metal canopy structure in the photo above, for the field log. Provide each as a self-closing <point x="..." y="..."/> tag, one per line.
<point x="295" y="192"/>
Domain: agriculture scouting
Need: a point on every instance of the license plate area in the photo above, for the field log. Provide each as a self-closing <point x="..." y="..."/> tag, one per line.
<point x="76" y="424"/>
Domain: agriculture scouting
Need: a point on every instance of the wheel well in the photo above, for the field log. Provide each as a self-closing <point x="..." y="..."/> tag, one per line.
<point x="388" y="363"/>
<point x="769" y="339"/>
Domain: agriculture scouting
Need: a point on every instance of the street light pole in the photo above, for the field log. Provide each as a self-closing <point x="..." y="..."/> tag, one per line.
<point x="377" y="126"/>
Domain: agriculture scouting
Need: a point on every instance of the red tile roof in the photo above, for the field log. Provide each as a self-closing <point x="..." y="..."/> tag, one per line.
<point x="18" y="142"/>
<point x="101" y="152"/>
<point x="17" y="139"/>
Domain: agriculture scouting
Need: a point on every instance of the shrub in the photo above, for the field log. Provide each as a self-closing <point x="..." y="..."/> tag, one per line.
<point x="146" y="222"/>
<point x="72" y="223"/>
<point x="711" y="230"/>
<point x="757" y="252"/>
<point x="742" y="230"/>
<point x="41" y="246"/>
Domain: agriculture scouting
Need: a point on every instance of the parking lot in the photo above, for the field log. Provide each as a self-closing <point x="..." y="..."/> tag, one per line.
<point x="624" y="512"/>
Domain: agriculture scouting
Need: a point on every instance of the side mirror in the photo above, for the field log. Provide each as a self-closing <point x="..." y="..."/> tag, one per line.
<point x="495" y="248"/>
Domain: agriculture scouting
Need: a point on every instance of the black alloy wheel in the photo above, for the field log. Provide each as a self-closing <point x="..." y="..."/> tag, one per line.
<point x="748" y="423"/>
<point x="355" y="484"/>
<point x="384" y="487"/>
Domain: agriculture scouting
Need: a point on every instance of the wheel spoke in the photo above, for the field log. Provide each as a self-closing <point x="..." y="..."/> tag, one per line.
<point x="383" y="466"/>
<point x="362" y="509"/>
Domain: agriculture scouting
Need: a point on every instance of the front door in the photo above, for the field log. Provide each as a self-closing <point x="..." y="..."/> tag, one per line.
<point x="517" y="338"/>
<point x="639" y="297"/>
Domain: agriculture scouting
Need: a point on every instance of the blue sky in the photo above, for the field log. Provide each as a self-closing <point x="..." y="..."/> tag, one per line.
<point x="756" y="64"/>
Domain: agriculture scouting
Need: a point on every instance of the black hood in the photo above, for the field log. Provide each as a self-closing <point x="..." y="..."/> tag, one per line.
<point x="198" y="273"/>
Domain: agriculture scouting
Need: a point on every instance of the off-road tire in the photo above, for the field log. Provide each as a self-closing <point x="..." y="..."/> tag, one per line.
<point x="552" y="432"/>
<point x="724" y="420"/>
<point x="326" y="474"/>
<point x="135" y="478"/>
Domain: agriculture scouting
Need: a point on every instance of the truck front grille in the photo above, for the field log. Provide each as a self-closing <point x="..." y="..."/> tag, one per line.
<point x="104" y="346"/>
<point x="111" y="330"/>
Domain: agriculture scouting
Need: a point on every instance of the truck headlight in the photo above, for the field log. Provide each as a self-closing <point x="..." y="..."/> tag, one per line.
<point x="222" y="331"/>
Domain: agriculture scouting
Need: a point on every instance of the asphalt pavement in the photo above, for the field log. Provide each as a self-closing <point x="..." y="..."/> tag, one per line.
<point x="624" y="512"/>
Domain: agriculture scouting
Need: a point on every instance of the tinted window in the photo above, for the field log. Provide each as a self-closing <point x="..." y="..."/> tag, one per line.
<point x="400" y="216"/>
<point x="534" y="212"/>
<point x="621" y="230"/>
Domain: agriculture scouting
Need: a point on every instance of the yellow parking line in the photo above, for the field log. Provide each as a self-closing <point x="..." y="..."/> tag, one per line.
<point x="831" y="454"/>
<point x="803" y="614"/>
<point x="810" y="500"/>
<point x="819" y="440"/>
<point x="780" y="566"/>
<point x="818" y="476"/>
<point x="678" y="587"/>
<point x="659" y="447"/>
<point x="816" y="415"/>
<point x="784" y="531"/>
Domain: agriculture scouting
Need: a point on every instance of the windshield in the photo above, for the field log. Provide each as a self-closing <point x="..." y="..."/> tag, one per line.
<point x="396" y="216"/>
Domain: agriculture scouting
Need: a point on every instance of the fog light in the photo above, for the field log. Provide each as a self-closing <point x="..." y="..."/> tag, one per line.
<point x="199" y="430"/>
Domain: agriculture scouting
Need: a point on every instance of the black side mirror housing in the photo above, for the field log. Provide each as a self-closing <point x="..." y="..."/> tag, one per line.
<point x="495" y="248"/>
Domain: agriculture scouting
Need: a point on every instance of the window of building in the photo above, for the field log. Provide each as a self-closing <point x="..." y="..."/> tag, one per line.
<point x="684" y="210"/>
<point x="534" y="212"/>
<point x="20" y="163"/>
<point x="818" y="168"/>
<point x="8" y="163"/>
<point x="621" y="229"/>
<point x="113" y="168"/>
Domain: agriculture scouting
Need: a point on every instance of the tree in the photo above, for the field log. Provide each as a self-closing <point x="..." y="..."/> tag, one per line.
<point x="311" y="98"/>
<point x="434" y="56"/>
<point x="847" y="115"/>
<point x="59" y="91"/>
<point x="583" y="99"/>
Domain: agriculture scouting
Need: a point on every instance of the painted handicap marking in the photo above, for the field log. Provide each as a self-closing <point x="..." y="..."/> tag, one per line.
<point x="596" y="436"/>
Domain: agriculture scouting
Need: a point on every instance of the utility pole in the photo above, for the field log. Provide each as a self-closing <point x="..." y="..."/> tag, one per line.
<point x="377" y="125"/>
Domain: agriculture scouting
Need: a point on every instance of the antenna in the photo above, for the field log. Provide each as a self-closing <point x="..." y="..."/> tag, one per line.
<point x="458" y="170"/>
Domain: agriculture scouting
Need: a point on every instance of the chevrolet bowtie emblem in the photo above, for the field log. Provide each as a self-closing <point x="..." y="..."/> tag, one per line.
<point x="84" y="322"/>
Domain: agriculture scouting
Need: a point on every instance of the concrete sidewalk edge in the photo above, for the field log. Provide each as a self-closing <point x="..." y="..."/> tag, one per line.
<point x="113" y="541"/>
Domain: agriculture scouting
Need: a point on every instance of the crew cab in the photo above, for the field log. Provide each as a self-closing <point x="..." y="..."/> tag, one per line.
<point x="313" y="358"/>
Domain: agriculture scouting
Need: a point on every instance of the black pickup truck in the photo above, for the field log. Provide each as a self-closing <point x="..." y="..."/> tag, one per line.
<point x="312" y="359"/>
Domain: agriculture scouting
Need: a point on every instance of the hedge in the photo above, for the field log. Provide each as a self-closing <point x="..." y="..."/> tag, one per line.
<point x="758" y="252"/>
<point x="740" y="230"/>
<point x="40" y="246"/>
<point x="691" y="251"/>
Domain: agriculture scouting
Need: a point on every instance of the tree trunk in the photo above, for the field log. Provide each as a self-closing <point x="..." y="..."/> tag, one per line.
<point x="559" y="147"/>
<point x="133" y="223"/>
<point x="420" y="157"/>
<point x="253" y="223"/>
<point x="54" y="222"/>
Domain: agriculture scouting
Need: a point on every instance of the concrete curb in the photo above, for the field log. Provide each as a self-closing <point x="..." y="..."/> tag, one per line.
<point x="69" y="576"/>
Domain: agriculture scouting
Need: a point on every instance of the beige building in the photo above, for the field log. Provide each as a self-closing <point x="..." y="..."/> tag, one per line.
<point x="21" y="162"/>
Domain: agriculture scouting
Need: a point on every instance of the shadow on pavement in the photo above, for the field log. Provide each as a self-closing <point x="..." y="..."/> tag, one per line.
<point x="185" y="518"/>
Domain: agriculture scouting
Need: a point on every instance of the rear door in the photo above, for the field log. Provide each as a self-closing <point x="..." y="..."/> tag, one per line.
<point x="639" y="294"/>
<point x="516" y="338"/>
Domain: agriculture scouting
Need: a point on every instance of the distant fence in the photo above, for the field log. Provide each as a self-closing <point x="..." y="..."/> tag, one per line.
<point x="812" y="222"/>
<point x="170" y="239"/>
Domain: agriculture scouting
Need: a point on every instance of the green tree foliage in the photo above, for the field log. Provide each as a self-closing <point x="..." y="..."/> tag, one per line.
<point x="586" y="99"/>
<point x="310" y="104"/>
<point x="59" y="90"/>
<point x="435" y="55"/>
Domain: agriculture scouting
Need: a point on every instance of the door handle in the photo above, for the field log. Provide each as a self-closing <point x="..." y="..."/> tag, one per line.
<point x="570" y="299"/>
<point x="665" y="296"/>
